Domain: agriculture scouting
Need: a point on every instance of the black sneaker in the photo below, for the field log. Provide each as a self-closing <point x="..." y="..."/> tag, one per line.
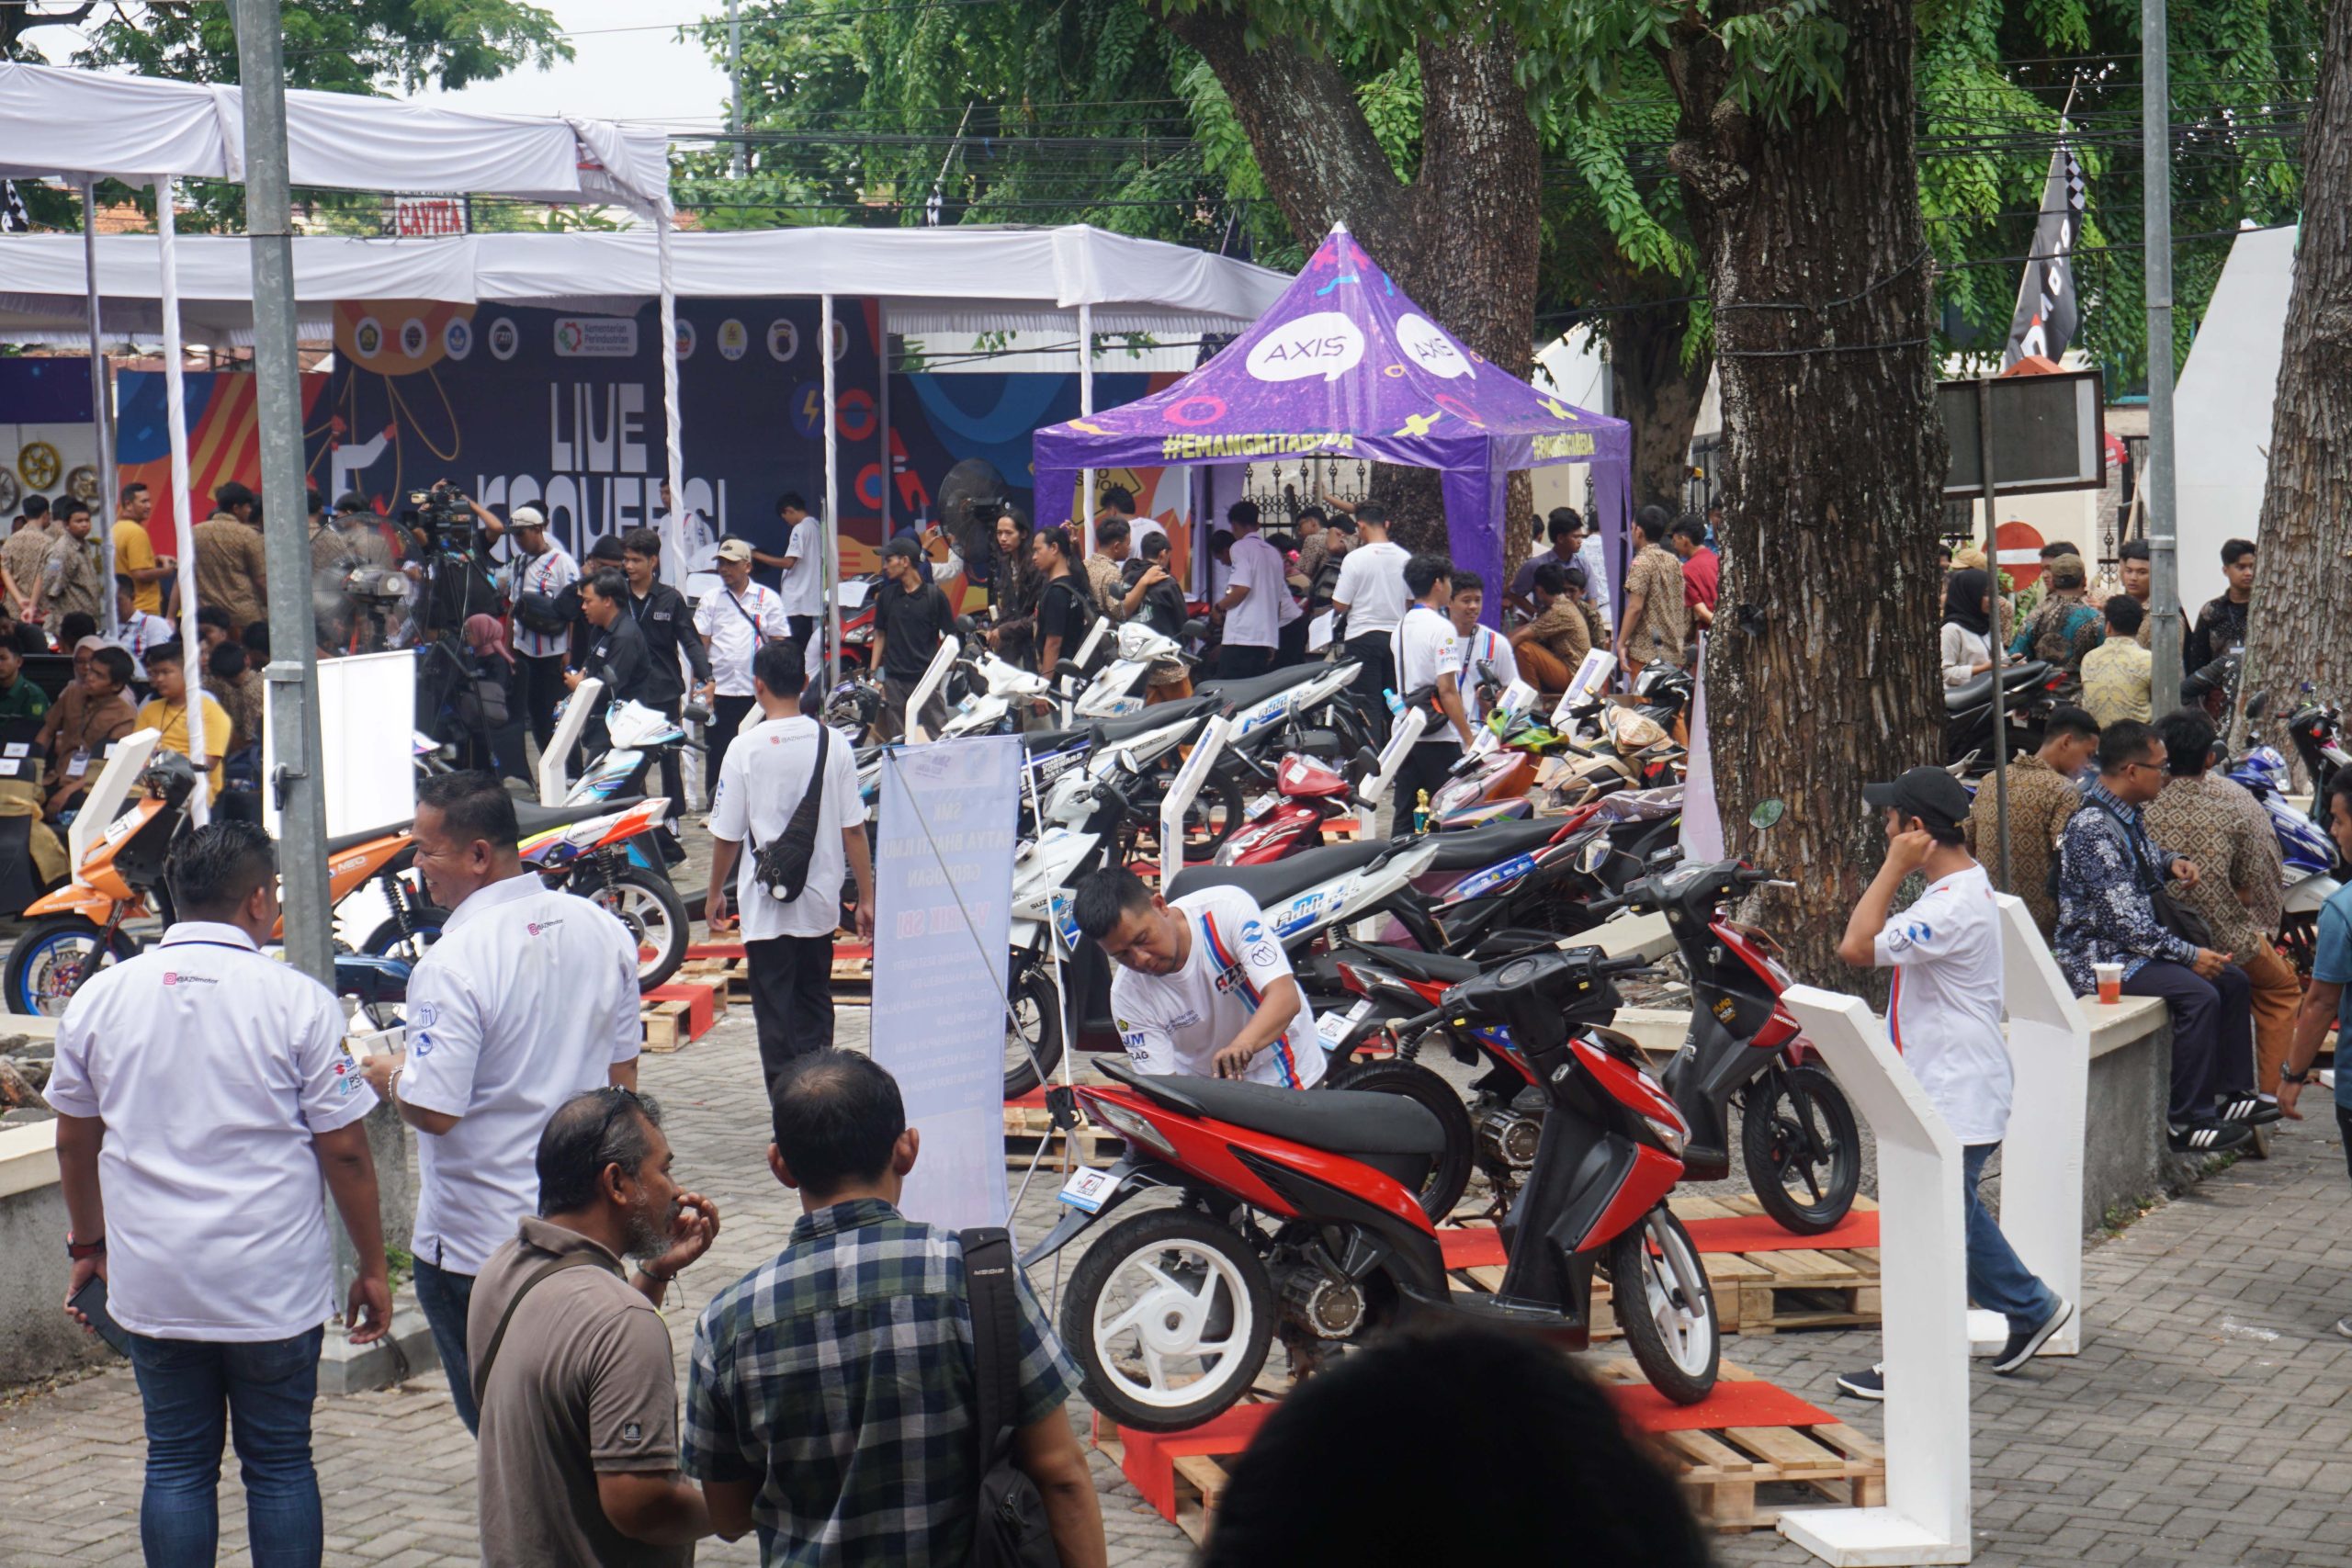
<point x="2206" y="1136"/>
<point x="2024" y="1342"/>
<point x="2247" y="1109"/>
<point x="1871" y="1384"/>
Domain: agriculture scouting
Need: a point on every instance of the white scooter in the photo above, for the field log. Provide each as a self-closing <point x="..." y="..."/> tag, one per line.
<point x="1119" y="689"/>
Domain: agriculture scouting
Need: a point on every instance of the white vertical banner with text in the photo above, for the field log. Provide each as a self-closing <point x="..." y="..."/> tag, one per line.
<point x="942" y="906"/>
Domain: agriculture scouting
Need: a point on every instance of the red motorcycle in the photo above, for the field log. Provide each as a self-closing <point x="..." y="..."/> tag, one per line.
<point x="1308" y="793"/>
<point x="1297" y="1212"/>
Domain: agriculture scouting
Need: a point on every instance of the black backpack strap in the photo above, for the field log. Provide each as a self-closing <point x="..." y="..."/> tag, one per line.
<point x="996" y="1332"/>
<point x="479" y="1371"/>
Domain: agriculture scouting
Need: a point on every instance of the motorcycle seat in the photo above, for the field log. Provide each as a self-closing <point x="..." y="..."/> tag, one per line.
<point x="1474" y="849"/>
<point x="1285" y="878"/>
<point x="1253" y="689"/>
<point x="1037" y="743"/>
<point x="1336" y="1120"/>
<point x="533" y="819"/>
<point x="1978" y="689"/>
<point x="1414" y="965"/>
<point x="335" y="846"/>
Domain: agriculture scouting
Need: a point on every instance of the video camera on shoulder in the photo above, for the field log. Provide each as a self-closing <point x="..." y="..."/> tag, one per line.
<point x="438" y="510"/>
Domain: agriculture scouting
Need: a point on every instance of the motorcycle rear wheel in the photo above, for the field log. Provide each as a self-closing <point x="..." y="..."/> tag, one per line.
<point x="646" y="903"/>
<point x="1774" y="1112"/>
<point x="1162" y="1287"/>
<point x="387" y="942"/>
<point x="1449" y="1172"/>
<point x="1677" y="1343"/>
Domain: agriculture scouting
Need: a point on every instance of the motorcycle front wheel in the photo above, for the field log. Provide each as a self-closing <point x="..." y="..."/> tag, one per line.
<point x="1675" y="1339"/>
<point x="1801" y="1147"/>
<point x="388" y="940"/>
<point x="53" y="958"/>
<point x="1032" y="1032"/>
<point x="1170" y="1316"/>
<point x="650" y="907"/>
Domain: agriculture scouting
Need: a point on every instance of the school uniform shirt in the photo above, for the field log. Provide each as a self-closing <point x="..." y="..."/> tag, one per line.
<point x="170" y="720"/>
<point x="213" y="1068"/>
<point x="1487" y="646"/>
<point x="1258" y="620"/>
<point x="142" y="631"/>
<point x="736" y="626"/>
<point x="1372" y="585"/>
<point x="1945" y="1016"/>
<point x="1177" y="1023"/>
<point x="804" y="585"/>
<point x="1425" y="646"/>
<point x="760" y="785"/>
<point x="549" y="574"/>
<point x="528" y="999"/>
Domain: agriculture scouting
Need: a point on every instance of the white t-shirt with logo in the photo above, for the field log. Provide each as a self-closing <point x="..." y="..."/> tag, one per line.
<point x="1426" y="645"/>
<point x="760" y="787"/>
<point x="213" y="1068"/>
<point x="1177" y="1023"/>
<point x="1258" y="620"/>
<point x="528" y="999"/>
<point x="804" y="585"/>
<point x="1372" y="585"/>
<point x="1945" y="1016"/>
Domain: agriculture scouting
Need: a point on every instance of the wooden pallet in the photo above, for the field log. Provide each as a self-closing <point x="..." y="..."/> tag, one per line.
<point x="1739" y="1478"/>
<point x="732" y="977"/>
<point x="1028" y="1128"/>
<point x="668" y="1026"/>
<point x="1756" y="1292"/>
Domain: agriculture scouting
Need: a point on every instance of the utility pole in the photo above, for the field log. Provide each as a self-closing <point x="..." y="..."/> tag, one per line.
<point x="2164" y="557"/>
<point x="735" y="86"/>
<point x="293" y="670"/>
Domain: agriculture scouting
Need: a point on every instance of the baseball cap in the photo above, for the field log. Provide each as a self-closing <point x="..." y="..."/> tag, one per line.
<point x="1929" y="794"/>
<point x="527" y="517"/>
<point x="735" y="550"/>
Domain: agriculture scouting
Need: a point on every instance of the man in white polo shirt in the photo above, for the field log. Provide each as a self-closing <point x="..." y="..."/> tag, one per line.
<point x="1945" y="1017"/>
<point x="1256" y="603"/>
<point x="202" y="1093"/>
<point x="733" y="622"/>
<point x="529" y="997"/>
<point x="1427" y="652"/>
<point x="1371" y="593"/>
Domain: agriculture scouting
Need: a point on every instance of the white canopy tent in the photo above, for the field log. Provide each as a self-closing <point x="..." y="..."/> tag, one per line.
<point x="1076" y="279"/>
<point x="85" y="126"/>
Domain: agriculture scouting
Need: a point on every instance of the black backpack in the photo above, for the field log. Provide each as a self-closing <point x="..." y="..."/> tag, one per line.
<point x="1012" y="1530"/>
<point x="780" y="866"/>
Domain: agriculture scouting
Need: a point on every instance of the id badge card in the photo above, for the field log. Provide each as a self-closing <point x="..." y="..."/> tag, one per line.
<point x="78" y="763"/>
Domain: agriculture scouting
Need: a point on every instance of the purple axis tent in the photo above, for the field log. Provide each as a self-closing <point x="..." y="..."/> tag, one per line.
<point x="1345" y="365"/>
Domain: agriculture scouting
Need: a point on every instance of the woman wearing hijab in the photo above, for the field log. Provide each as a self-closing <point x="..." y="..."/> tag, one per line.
<point x="1968" y="626"/>
<point x="488" y="703"/>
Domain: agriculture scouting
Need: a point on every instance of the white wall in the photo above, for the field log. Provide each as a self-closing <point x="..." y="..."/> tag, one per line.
<point x="2221" y="407"/>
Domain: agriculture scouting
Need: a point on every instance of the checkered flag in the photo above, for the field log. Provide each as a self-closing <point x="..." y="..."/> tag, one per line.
<point x="2046" y="313"/>
<point x="14" y="219"/>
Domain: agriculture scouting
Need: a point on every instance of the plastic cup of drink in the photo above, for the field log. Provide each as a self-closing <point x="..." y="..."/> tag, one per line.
<point x="2110" y="983"/>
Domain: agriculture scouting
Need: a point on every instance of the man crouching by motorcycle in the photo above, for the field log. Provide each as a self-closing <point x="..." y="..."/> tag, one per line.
<point x="1202" y="987"/>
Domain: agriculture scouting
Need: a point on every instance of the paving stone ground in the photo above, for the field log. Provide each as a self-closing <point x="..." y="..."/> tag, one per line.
<point x="2206" y="1421"/>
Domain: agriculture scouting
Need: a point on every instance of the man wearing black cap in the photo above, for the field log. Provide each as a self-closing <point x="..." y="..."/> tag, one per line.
<point x="1945" y="1016"/>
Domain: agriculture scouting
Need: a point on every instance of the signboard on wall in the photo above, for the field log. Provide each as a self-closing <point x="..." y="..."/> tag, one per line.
<point x="427" y="217"/>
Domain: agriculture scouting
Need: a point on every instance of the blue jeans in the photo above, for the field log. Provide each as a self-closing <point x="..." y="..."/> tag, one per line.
<point x="445" y="1297"/>
<point x="195" y="1392"/>
<point x="1997" y="1282"/>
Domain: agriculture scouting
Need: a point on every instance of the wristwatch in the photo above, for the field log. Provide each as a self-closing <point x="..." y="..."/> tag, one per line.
<point x="78" y="1250"/>
<point x="2296" y="1078"/>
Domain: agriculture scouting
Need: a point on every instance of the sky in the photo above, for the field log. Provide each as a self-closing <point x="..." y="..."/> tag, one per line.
<point x="640" y="73"/>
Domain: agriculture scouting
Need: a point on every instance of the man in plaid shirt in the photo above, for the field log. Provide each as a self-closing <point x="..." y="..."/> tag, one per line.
<point x="831" y="1394"/>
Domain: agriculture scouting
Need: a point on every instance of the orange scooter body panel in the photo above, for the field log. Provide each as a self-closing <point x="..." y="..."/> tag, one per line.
<point x="97" y="886"/>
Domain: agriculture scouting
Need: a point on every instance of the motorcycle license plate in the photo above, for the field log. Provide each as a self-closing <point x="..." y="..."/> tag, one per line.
<point x="1333" y="1028"/>
<point x="1086" y="1189"/>
<point x="1259" y="806"/>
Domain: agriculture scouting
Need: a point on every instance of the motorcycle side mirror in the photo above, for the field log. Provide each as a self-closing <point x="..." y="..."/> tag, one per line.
<point x="965" y="627"/>
<point x="2258" y="705"/>
<point x="1595" y="855"/>
<point x="1069" y="669"/>
<point x="1127" y="763"/>
<point x="1768" y="814"/>
<point x="1368" y="760"/>
<point x="1192" y="630"/>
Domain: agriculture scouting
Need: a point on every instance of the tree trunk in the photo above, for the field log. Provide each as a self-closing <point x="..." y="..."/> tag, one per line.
<point x="1658" y="397"/>
<point x="1823" y="676"/>
<point x="2300" y="626"/>
<point x="1461" y="238"/>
